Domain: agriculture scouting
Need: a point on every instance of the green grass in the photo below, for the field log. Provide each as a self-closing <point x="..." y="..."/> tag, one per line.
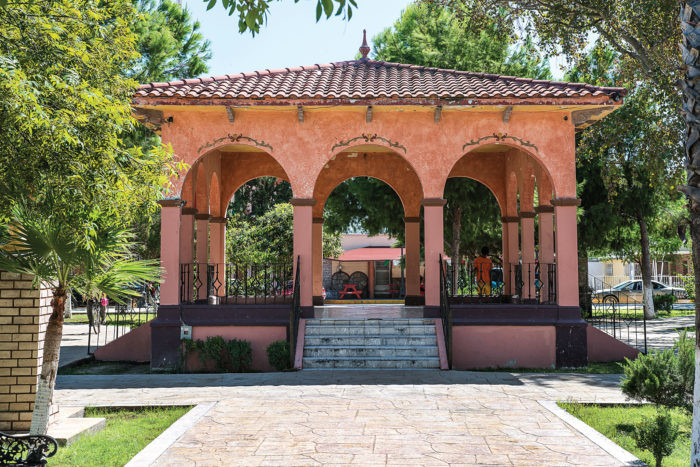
<point x="605" y="368"/>
<point x="638" y="313"/>
<point x="126" y="433"/>
<point x="129" y="320"/>
<point x="617" y="423"/>
<point x="93" y="367"/>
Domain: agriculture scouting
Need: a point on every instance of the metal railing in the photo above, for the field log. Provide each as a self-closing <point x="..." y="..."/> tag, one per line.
<point x="236" y="283"/>
<point x="534" y="283"/>
<point x="294" y="316"/>
<point x="614" y="312"/>
<point x="117" y="320"/>
<point x="445" y="312"/>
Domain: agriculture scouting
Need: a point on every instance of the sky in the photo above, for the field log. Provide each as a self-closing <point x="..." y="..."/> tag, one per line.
<point x="292" y="37"/>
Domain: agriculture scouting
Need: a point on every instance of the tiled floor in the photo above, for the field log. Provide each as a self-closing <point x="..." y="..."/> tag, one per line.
<point x="364" y="417"/>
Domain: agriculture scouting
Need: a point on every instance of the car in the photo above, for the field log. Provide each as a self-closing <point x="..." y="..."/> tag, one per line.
<point x="632" y="290"/>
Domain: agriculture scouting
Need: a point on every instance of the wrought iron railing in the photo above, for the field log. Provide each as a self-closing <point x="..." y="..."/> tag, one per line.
<point x="445" y="312"/>
<point x="294" y="316"/>
<point x="26" y="450"/>
<point x="236" y="283"/>
<point x="116" y="320"/>
<point x="475" y="280"/>
<point x="615" y="312"/>
<point x="534" y="283"/>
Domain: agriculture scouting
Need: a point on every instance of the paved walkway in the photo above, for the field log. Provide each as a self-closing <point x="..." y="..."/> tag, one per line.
<point x="74" y="343"/>
<point x="663" y="332"/>
<point x="396" y="417"/>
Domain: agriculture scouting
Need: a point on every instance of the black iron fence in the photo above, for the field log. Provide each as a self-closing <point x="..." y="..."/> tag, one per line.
<point x="445" y="312"/>
<point x="615" y="312"/>
<point x="106" y="324"/>
<point x="482" y="281"/>
<point x="294" y="317"/>
<point x="237" y="283"/>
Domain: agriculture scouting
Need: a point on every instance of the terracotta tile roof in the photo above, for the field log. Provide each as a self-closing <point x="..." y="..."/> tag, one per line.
<point x="369" y="79"/>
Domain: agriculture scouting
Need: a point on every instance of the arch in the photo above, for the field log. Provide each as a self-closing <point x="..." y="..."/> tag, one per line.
<point x="375" y="162"/>
<point x="487" y="171"/>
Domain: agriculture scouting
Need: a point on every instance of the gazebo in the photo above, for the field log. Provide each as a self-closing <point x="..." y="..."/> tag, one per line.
<point x="412" y="127"/>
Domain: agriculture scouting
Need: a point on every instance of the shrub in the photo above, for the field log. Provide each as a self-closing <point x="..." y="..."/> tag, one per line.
<point x="278" y="355"/>
<point x="663" y="378"/>
<point x="656" y="435"/>
<point x="234" y="356"/>
<point x="689" y="285"/>
<point x="664" y="302"/>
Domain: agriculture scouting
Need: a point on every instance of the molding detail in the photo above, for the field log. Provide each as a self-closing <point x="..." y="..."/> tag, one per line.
<point x="218" y="220"/>
<point x="235" y="138"/>
<point x="202" y="217"/>
<point x="500" y="137"/>
<point x="527" y="215"/>
<point x="318" y="220"/>
<point x="545" y="208"/>
<point x="302" y="202"/>
<point x="433" y="202"/>
<point x="172" y="203"/>
<point x="408" y="220"/>
<point x="507" y="219"/>
<point x="189" y="211"/>
<point x="566" y="202"/>
<point x="367" y="138"/>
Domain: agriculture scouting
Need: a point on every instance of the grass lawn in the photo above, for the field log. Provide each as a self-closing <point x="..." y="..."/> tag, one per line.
<point x="126" y="433"/>
<point x="605" y="368"/>
<point x="131" y="321"/>
<point x="617" y="423"/>
<point x="106" y="368"/>
<point x="638" y="313"/>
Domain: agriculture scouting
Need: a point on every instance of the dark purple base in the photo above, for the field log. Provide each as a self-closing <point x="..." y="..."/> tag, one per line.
<point x="414" y="300"/>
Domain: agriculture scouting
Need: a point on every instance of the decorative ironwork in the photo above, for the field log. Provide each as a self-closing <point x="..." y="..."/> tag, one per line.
<point x="235" y="138"/>
<point x="26" y="450"/>
<point x="368" y="138"/>
<point x="445" y="312"/>
<point x="466" y="282"/>
<point x="294" y="317"/>
<point x="500" y="137"/>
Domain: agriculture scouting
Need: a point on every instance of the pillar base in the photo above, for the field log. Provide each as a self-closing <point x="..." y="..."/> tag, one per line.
<point x="317" y="300"/>
<point x="414" y="300"/>
<point x="572" y="345"/>
<point x="165" y="339"/>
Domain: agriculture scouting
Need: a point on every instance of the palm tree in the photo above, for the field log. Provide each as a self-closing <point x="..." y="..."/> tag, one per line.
<point x="59" y="256"/>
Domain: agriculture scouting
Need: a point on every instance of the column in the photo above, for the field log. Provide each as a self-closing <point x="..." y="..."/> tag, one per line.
<point x="217" y="253"/>
<point x="412" y="271"/>
<point x="187" y="252"/>
<point x="510" y="225"/>
<point x="434" y="246"/>
<point x="201" y="286"/>
<point x="303" y="247"/>
<point x="504" y="257"/>
<point x="566" y="250"/>
<point x="545" y="215"/>
<point x="170" y="250"/>
<point x="317" y="239"/>
<point x="527" y="233"/>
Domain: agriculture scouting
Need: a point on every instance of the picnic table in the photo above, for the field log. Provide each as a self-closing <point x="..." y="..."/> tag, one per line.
<point x="350" y="289"/>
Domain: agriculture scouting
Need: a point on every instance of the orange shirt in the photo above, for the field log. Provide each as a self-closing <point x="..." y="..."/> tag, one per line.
<point x="483" y="268"/>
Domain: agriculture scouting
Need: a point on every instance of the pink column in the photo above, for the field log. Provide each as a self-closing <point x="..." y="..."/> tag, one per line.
<point x="513" y="258"/>
<point x="412" y="272"/>
<point x="504" y="256"/>
<point x="217" y="253"/>
<point x="566" y="250"/>
<point x="170" y="250"/>
<point x="527" y="232"/>
<point x="303" y="246"/>
<point x="434" y="245"/>
<point x="202" y="253"/>
<point x="545" y="215"/>
<point x="187" y="250"/>
<point x="317" y="259"/>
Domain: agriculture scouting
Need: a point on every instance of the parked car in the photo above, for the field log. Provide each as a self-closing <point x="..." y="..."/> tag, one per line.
<point x="632" y="289"/>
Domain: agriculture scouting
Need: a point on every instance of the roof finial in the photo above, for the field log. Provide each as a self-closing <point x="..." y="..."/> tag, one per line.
<point x="364" y="48"/>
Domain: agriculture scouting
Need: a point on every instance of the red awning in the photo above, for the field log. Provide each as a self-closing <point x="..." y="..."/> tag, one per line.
<point x="371" y="254"/>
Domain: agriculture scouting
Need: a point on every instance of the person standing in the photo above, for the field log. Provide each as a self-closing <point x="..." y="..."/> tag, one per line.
<point x="482" y="272"/>
<point x="103" y="308"/>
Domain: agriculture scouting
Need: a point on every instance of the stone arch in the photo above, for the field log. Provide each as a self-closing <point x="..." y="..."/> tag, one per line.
<point x="487" y="171"/>
<point x="370" y="161"/>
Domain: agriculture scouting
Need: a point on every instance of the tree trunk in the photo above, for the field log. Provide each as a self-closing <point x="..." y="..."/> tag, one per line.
<point x="645" y="266"/>
<point x="69" y="306"/>
<point x="49" y="366"/>
<point x="691" y="112"/>
<point x="456" y="238"/>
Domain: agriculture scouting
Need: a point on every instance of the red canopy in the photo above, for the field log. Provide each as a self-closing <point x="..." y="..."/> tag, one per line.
<point x="371" y="254"/>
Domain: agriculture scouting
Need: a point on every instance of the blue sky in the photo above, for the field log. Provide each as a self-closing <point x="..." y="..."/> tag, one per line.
<point x="292" y="37"/>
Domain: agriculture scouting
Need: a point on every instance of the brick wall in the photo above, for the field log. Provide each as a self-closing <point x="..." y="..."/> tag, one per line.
<point x="24" y="313"/>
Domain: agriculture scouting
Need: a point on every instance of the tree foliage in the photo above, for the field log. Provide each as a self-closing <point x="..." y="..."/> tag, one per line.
<point x="259" y="196"/>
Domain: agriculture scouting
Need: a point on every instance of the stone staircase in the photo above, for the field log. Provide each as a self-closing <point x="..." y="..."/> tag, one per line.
<point x="370" y="343"/>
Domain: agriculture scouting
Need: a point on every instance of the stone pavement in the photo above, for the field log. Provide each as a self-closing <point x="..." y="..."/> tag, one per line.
<point x="663" y="332"/>
<point x="75" y="341"/>
<point x="400" y="417"/>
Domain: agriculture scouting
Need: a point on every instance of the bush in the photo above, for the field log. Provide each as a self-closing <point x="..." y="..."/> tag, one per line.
<point x="234" y="356"/>
<point x="278" y="355"/>
<point x="664" y="302"/>
<point x="689" y="286"/>
<point x="656" y="435"/>
<point x="663" y="378"/>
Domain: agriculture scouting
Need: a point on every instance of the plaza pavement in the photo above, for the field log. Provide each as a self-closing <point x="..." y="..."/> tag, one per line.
<point x="399" y="417"/>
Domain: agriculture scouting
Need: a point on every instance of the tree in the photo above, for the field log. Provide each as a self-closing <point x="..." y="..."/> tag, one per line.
<point x="259" y="196"/>
<point x="253" y="13"/>
<point x="55" y="254"/>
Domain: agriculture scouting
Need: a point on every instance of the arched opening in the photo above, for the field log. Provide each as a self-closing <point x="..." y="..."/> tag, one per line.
<point x="361" y="229"/>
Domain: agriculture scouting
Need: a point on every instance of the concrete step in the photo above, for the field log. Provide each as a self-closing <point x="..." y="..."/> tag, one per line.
<point x="361" y="351"/>
<point x="372" y="362"/>
<point x="68" y="430"/>
<point x="399" y="330"/>
<point x="369" y="322"/>
<point x="385" y="340"/>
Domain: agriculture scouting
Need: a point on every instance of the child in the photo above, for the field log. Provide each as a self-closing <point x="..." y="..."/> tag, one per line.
<point x="482" y="272"/>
